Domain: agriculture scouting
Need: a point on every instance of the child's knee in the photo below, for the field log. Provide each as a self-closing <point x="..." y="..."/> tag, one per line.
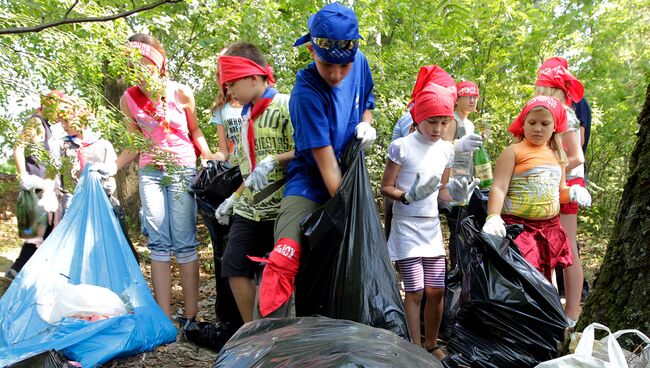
<point x="435" y="294"/>
<point x="415" y="296"/>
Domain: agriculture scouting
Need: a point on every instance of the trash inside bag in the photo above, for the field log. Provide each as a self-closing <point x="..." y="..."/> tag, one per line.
<point x="87" y="247"/>
<point x="346" y="273"/>
<point x="32" y="218"/>
<point x="214" y="183"/>
<point x="505" y="301"/>
<point x="46" y="359"/>
<point x="312" y="342"/>
<point x="205" y="334"/>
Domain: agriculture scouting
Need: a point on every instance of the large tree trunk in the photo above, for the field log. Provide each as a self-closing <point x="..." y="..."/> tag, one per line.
<point x="127" y="178"/>
<point x="622" y="288"/>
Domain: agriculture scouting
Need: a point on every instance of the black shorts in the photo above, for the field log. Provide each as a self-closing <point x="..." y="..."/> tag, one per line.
<point x="246" y="238"/>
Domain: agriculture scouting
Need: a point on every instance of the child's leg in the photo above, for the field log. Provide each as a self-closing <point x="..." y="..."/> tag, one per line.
<point x="161" y="279"/>
<point x="434" y="287"/>
<point x="413" y="277"/>
<point x="573" y="275"/>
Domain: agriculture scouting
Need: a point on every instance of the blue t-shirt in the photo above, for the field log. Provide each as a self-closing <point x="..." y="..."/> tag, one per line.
<point x="324" y="116"/>
<point x="583" y="112"/>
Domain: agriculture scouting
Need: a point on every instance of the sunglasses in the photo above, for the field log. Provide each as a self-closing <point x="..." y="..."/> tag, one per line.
<point x="327" y="44"/>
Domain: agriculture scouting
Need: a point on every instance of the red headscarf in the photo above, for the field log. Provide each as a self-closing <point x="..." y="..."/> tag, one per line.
<point x="433" y="100"/>
<point x="233" y="68"/>
<point x="553" y="62"/>
<point x="435" y="74"/>
<point x="560" y="77"/>
<point x="467" y="88"/>
<point x="149" y="52"/>
<point x="552" y="104"/>
<point x="278" y="275"/>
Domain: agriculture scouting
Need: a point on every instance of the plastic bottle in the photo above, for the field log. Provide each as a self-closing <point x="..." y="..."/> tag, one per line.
<point x="483" y="168"/>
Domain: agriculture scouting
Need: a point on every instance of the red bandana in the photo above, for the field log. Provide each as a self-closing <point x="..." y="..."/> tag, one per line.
<point x="552" y="104"/>
<point x="553" y="62"/>
<point x="433" y="100"/>
<point x="560" y="77"/>
<point x="233" y="68"/>
<point x="467" y="88"/>
<point x="435" y="74"/>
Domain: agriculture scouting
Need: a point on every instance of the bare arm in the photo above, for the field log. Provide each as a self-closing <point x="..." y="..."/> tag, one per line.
<point x="224" y="150"/>
<point x="284" y="158"/>
<point x="367" y="116"/>
<point x="574" y="153"/>
<point x="388" y="188"/>
<point x="443" y="194"/>
<point x="328" y="167"/>
<point x="127" y="156"/>
<point x="186" y="98"/>
<point x="505" y="166"/>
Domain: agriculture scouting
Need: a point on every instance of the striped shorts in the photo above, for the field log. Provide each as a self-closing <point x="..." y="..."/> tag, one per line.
<point x="420" y="272"/>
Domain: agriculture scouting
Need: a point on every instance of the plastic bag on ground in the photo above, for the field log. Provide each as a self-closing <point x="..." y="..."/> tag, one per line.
<point x="206" y="334"/>
<point x="505" y="301"/>
<point x="32" y="218"/>
<point x="87" y="247"/>
<point x="319" y="342"/>
<point x="346" y="273"/>
<point x="47" y="359"/>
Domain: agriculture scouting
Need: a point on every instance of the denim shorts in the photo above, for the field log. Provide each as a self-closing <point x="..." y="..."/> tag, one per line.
<point x="168" y="213"/>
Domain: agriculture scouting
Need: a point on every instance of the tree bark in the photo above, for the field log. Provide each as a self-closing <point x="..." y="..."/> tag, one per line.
<point x="622" y="288"/>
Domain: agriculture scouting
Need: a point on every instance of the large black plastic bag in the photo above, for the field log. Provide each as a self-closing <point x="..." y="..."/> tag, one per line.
<point x="319" y="342"/>
<point x="347" y="273"/>
<point x="504" y="300"/>
<point x="46" y="359"/>
<point x="32" y="218"/>
<point x="214" y="183"/>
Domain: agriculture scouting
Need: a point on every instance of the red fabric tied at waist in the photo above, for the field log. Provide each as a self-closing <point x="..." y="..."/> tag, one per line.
<point x="278" y="275"/>
<point x="543" y="243"/>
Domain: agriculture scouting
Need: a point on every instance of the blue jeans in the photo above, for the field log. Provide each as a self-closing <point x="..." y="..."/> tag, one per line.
<point x="168" y="214"/>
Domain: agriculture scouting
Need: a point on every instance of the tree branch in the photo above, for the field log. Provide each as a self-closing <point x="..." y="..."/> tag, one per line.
<point x="40" y="27"/>
<point x="69" y="10"/>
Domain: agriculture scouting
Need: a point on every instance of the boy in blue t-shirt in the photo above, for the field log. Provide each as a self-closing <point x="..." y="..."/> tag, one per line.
<point x="330" y="105"/>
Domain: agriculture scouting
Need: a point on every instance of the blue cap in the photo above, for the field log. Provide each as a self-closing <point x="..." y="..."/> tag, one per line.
<point x="333" y="22"/>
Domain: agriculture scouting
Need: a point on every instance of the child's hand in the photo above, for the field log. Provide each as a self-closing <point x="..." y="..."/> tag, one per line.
<point x="469" y="143"/>
<point x="366" y="133"/>
<point x="494" y="225"/>
<point x="419" y="192"/>
<point x="224" y="211"/>
<point x="460" y="189"/>
<point x="259" y="178"/>
<point x="29" y="181"/>
<point x="580" y="195"/>
<point x="104" y="169"/>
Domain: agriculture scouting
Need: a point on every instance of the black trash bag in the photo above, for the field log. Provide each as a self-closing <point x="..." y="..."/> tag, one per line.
<point x="479" y="351"/>
<point x="205" y="334"/>
<point x="214" y="183"/>
<point x="347" y="273"/>
<point x="504" y="299"/>
<point x="46" y="359"/>
<point x="32" y="218"/>
<point x="319" y="342"/>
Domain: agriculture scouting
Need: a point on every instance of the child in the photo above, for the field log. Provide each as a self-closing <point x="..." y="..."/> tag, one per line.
<point x="554" y="80"/>
<point x="529" y="186"/>
<point x="226" y="115"/>
<point x="330" y="105"/>
<point x="265" y="148"/>
<point x="416" y="165"/>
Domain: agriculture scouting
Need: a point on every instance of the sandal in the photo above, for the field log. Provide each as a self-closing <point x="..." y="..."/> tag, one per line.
<point x="440" y="355"/>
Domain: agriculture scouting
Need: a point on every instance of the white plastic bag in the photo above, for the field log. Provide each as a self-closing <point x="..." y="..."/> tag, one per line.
<point x="78" y="301"/>
<point x="586" y="357"/>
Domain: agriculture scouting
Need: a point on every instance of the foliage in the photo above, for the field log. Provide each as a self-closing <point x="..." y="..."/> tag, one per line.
<point x="498" y="44"/>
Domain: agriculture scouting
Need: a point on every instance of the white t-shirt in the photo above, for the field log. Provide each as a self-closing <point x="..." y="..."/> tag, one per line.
<point x="417" y="154"/>
<point x="230" y="118"/>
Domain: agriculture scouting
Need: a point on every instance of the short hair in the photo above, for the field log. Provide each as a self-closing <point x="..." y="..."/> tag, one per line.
<point x="247" y="50"/>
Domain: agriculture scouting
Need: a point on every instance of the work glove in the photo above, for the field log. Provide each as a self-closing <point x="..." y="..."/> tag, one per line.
<point x="580" y="195"/>
<point x="494" y="225"/>
<point x="419" y="192"/>
<point x="224" y="211"/>
<point x="366" y="133"/>
<point x="48" y="200"/>
<point x="259" y="178"/>
<point x="104" y="169"/>
<point x="460" y="190"/>
<point x="29" y="181"/>
<point x="469" y="143"/>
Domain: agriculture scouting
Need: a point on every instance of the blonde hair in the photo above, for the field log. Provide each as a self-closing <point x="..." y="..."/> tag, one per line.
<point x="550" y="92"/>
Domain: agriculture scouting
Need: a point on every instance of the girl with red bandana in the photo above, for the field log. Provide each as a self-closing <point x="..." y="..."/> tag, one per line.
<point x="529" y="185"/>
<point x="416" y="176"/>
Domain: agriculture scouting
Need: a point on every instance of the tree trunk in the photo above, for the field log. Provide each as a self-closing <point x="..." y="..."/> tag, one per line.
<point x="127" y="178"/>
<point x="622" y="288"/>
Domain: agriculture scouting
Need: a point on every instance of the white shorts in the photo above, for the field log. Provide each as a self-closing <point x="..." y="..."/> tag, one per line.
<point x="412" y="237"/>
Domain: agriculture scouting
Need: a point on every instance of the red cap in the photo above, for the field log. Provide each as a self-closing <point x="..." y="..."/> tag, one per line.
<point x="560" y="77"/>
<point x="435" y="74"/>
<point x="552" y="104"/>
<point x="433" y="100"/>
<point x="467" y="88"/>
<point x="278" y="275"/>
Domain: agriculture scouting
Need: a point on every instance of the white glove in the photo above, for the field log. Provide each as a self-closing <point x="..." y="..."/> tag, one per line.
<point x="29" y="182"/>
<point x="259" y="178"/>
<point x="224" y="211"/>
<point x="469" y="143"/>
<point x="48" y="200"/>
<point x="580" y="195"/>
<point x="494" y="225"/>
<point x="460" y="189"/>
<point x="104" y="169"/>
<point x="420" y="192"/>
<point x="366" y="133"/>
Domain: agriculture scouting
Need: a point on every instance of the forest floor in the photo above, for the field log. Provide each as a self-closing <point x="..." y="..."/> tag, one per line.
<point x="183" y="353"/>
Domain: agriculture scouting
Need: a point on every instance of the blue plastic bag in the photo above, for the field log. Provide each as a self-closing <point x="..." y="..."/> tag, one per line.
<point x="87" y="247"/>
